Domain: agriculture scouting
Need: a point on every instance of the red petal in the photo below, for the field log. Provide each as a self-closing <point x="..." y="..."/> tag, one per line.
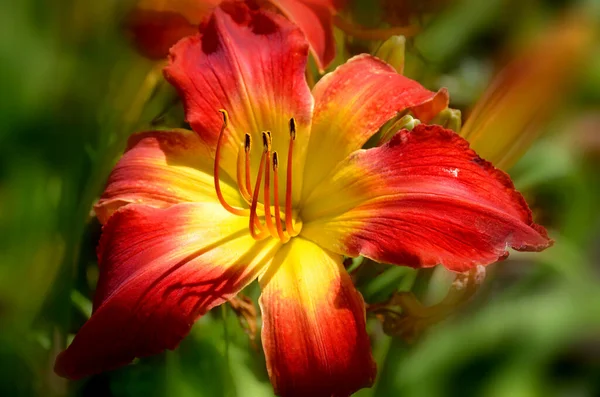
<point x="160" y="269"/>
<point x="250" y="63"/>
<point x="314" y="18"/>
<point x="313" y="324"/>
<point x="422" y="199"/>
<point x="162" y="168"/>
<point x="353" y="102"/>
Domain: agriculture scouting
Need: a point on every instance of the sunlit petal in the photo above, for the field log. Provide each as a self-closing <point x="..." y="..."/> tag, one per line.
<point x="313" y="324"/>
<point x="353" y="102"/>
<point x="162" y="168"/>
<point x="422" y="199"/>
<point x="160" y="269"/>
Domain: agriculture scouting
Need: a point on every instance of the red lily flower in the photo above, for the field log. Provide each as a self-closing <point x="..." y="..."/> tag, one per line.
<point x="190" y="218"/>
<point x="155" y="25"/>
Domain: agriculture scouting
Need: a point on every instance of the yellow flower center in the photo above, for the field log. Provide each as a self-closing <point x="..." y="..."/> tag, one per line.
<point x="269" y="161"/>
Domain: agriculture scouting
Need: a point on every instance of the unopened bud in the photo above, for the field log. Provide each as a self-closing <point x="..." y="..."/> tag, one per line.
<point x="406" y="122"/>
<point x="449" y="118"/>
<point x="392" y="52"/>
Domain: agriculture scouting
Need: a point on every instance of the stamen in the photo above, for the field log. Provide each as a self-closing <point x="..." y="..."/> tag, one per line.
<point x="267" y="189"/>
<point x="240" y="178"/>
<point x="288" y="188"/>
<point x="229" y="208"/>
<point x="243" y="187"/>
<point x="253" y="216"/>
<point x="283" y="236"/>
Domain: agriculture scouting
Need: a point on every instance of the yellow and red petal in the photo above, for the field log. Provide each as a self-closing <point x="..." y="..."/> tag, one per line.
<point x="250" y="63"/>
<point x="313" y="332"/>
<point x="353" y="102"/>
<point x="162" y="168"/>
<point x="155" y="25"/>
<point x="422" y="199"/>
<point x="315" y="19"/>
<point x="160" y="269"/>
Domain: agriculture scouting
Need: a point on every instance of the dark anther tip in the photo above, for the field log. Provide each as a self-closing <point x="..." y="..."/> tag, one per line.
<point x="293" y="128"/>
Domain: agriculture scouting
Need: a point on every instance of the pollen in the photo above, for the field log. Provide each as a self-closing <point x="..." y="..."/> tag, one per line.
<point x="265" y="217"/>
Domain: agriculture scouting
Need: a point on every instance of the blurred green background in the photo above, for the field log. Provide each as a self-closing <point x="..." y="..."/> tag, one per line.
<point x="72" y="90"/>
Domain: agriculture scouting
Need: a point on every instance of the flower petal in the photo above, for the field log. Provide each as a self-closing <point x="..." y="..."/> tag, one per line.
<point x="422" y="199"/>
<point x="155" y="25"/>
<point x="314" y="18"/>
<point x="160" y="269"/>
<point x="353" y="102"/>
<point x="162" y="168"/>
<point x="250" y="63"/>
<point x="313" y="331"/>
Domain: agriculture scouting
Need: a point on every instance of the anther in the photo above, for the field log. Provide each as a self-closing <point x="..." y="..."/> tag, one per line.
<point x="266" y="136"/>
<point x="217" y="182"/>
<point x="293" y="128"/>
<point x="247" y="143"/>
<point x="225" y="119"/>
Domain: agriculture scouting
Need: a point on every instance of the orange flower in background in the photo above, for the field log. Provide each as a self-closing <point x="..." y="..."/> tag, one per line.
<point x="273" y="184"/>
<point x="511" y="114"/>
<point x="155" y="25"/>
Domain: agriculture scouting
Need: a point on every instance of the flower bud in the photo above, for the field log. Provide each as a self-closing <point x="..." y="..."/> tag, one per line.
<point x="448" y="118"/>
<point x="392" y="52"/>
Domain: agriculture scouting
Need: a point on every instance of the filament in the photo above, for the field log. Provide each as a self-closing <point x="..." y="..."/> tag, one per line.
<point x="283" y="236"/>
<point x="247" y="147"/>
<point x="267" y="189"/>
<point x="288" y="188"/>
<point x="240" y="177"/>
